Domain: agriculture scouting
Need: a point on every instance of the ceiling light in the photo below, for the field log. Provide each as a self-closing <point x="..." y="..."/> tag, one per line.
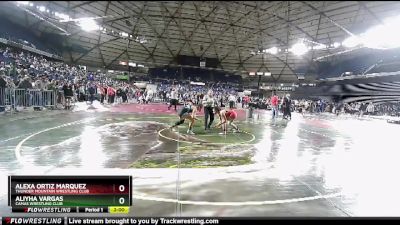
<point x="319" y="47"/>
<point x="260" y="73"/>
<point x="299" y="49"/>
<point x="273" y="50"/>
<point x="336" y="44"/>
<point x="352" y="42"/>
<point x="132" y="64"/>
<point x="65" y="18"/>
<point x="373" y="38"/>
<point x="88" y="24"/>
<point x="383" y="36"/>
<point x="42" y="8"/>
<point x="142" y="41"/>
<point x="268" y="74"/>
<point x="123" y="34"/>
<point x="31" y="4"/>
<point x="252" y="74"/>
<point x="140" y="65"/>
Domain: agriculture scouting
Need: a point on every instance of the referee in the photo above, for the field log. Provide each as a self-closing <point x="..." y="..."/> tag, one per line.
<point x="174" y="99"/>
<point x="208" y="103"/>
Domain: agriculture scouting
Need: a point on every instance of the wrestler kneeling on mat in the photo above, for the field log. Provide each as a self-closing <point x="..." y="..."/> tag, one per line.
<point x="188" y="112"/>
<point x="226" y="116"/>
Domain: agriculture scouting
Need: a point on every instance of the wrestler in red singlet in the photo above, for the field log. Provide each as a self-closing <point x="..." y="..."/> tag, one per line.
<point x="226" y="117"/>
<point x="230" y="115"/>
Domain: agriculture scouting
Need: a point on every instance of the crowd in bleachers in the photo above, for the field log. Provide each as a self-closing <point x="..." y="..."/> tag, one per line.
<point x="205" y="75"/>
<point x="195" y="92"/>
<point x="24" y="70"/>
<point x="355" y="108"/>
<point x="322" y="106"/>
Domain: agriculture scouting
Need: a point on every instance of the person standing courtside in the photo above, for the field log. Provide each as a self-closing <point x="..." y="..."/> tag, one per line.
<point x="287" y="107"/>
<point x="208" y="103"/>
<point x="174" y="99"/>
<point x="274" y="105"/>
<point x="232" y="100"/>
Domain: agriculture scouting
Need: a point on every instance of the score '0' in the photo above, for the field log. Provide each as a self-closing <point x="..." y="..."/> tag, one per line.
<point x="121" y="189"/>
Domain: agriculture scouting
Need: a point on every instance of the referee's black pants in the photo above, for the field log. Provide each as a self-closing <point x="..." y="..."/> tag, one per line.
<point x="208" y="112"/>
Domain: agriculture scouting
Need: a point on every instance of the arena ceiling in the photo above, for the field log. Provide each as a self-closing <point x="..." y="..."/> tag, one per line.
<point x="233" y="32"/>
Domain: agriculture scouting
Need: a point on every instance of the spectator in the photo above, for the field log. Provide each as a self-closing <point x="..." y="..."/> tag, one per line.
<point x="92" y="91"/>
<point x="274" y="105"/>
<point x="232" y="100"/>
<point x="69" y="94"/>
<point x="287" y="107"/>
<point x="111" y="94"/>
<point x="103" y="93"/>
<point x="3" y="84"/>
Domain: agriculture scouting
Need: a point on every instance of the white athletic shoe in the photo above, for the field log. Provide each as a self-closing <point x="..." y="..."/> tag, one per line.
<point x="222" y="133"/>
<point x="190" y="132"/>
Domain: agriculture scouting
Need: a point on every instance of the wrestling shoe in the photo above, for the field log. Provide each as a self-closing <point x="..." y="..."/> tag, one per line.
<point x="190" y="132"/>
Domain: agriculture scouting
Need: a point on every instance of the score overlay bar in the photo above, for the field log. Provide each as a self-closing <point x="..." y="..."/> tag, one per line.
<point x="69" y="191"/>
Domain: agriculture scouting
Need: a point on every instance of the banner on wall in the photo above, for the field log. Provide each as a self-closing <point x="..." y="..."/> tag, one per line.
<point x="122" y="77"/>
<point x="141" y="85"/>
<point x="197" y="83"/>
<point x="247" y="92"/>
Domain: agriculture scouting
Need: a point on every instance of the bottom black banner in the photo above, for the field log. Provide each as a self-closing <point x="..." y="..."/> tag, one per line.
<point x="175" y="220"/>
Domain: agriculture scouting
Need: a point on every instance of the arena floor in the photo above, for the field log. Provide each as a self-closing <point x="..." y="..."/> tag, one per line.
<point x="313" y="165"/>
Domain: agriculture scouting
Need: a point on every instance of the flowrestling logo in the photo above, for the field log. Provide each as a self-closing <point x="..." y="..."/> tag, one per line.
<point x="33" y="220"/>
<point x="48" y="210"/>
